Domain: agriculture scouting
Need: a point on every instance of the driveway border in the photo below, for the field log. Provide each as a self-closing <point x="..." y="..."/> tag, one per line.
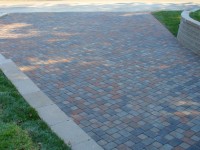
<point x="56" y="119"/>
<point x="3" y="14"/>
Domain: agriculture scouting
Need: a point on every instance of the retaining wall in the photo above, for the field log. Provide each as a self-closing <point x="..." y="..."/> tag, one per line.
<point x="189" y="32"/>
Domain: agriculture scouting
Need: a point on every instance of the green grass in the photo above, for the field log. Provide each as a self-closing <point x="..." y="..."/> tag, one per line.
<point x="20" y="125"/>
<point x="195" y="15"/>
<point x="13" y="137"/>
<point x="171" y="19"/>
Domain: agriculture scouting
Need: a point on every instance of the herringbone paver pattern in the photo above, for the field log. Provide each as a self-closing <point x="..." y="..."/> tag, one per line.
<point x="122" y="77"/>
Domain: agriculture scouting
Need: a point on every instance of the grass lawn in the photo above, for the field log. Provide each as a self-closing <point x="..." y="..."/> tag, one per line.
<point x="20" y="126"/>
<point x="171" y="19"/>
<point x="195" y="15"/>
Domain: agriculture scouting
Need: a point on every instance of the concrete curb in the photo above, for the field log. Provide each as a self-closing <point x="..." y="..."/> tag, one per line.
<point x="57" y="120"/>
<point x="3" y="14"/>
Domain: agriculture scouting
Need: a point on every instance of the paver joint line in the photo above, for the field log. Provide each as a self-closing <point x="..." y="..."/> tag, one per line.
<point x="121" y="77"/>
<point x="52" y="116"/>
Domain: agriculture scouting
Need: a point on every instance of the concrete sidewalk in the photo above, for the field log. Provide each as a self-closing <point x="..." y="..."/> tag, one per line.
<point x="96" y="5"/>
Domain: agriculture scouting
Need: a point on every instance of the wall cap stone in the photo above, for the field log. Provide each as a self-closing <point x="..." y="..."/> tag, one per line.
<point x="186" y="15"/>
<point x="189" y="32"/>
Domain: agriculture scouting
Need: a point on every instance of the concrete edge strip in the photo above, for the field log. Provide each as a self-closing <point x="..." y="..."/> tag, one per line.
<point x="3" y="14"/>
<point x="57" y="120"/>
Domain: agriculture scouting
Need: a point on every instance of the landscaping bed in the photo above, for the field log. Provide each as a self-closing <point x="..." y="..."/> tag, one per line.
<point x="195" y="15"/>
<point x="170" y="19"/>
<point x="20" y="125"/>
<point x="185" y="26"/>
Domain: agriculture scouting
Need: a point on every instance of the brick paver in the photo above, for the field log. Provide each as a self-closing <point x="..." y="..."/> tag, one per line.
<point x="122" y="77"/>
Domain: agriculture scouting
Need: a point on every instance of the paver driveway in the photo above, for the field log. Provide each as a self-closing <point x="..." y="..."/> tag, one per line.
<point x="122" y="77"/>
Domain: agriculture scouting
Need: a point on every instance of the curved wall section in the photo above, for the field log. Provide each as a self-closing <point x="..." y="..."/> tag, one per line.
<point x="189" y="32"/>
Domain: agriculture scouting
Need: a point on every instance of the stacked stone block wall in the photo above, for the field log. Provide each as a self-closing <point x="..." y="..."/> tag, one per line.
<point x="189" y="32"/>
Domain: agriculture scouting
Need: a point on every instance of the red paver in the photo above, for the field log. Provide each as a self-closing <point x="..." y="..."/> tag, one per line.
<point x="122" y="77"/>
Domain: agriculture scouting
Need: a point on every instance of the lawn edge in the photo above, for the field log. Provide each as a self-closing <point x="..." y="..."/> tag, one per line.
<point x="163" y="25"/>
<point x="62" y="125"/>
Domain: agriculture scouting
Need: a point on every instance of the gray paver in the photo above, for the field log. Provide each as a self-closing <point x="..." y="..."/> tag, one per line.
<point x="87" y="145"/>
<point x="39" y="101"/>
<point x="117" y="75"/>
<point x="184" y="145"/>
